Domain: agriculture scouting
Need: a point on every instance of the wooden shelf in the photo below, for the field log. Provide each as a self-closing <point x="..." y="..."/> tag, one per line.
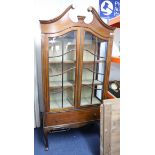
<point x="91" y="61"/>
<point x="87" y="101"/>
<point x="89" y="82"/>
<point x="58" y="84"/>
<point x="115" y="22"/>
<point x="59" y="62"/>
<point x="115" y="59"/>
<point x="67" y="103"/>
<point x="72" y="62"/>
<point x="57" y="104"/>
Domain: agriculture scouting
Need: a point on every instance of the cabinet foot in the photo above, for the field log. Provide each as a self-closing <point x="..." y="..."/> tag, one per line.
<point x="46" y="148"/>
<point x="46" y="139"/>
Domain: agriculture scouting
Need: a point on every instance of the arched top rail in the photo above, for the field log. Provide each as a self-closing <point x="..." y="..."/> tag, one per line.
<point x="63" y="21"/>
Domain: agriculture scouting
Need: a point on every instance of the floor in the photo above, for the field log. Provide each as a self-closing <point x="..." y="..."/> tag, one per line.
<point x="82" y="141"/>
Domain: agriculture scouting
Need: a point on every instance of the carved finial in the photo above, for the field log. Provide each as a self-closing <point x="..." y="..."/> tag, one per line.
<point x="89" y="9"/>
<point x="81" y="18"/>
<point x="73" y="6"/>
<point x="97" y="17"/>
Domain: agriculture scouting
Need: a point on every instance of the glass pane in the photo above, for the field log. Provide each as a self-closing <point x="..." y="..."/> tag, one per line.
<point x="94" y="58"/>
<point x="62" y="58"/>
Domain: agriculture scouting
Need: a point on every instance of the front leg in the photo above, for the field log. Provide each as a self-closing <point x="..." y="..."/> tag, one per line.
<point x="46" y="139"/>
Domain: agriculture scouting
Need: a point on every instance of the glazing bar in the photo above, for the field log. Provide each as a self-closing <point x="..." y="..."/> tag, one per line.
<point x="93" y="71"/>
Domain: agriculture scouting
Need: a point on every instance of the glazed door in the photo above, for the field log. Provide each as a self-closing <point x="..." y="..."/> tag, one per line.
<point x="62" y="71"/>
<point x="93" y="55"/>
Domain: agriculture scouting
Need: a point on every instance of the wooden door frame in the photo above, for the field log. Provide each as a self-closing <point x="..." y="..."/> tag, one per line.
<point x="81" y="46"/>
<point x="107" y="67"/>
<point x="107" y="64"/>
<point x="45" y="66"/>
<point x="45" y="76"/>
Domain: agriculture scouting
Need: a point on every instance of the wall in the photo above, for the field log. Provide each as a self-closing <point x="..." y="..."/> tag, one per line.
<point x="114" y="72"/>
<point x="115" y="49"/>
<point x="115" y="68"/>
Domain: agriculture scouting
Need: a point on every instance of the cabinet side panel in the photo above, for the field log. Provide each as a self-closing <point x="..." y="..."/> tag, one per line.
<point x="44" y="49"/>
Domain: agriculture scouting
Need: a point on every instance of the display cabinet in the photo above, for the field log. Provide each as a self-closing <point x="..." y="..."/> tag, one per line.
<point x="75" y="70"/>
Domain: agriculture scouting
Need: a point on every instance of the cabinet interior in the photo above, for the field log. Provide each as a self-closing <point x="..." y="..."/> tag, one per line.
<point x="62" y="56"/>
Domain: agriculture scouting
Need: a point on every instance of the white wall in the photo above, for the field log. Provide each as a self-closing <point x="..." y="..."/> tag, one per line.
<point x="115" y="68"/>
<point x="114" y="72"/>
<point x="115" y="49"/>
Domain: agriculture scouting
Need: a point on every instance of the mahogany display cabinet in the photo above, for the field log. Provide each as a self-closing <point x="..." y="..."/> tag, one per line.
<point x="76" y="59"/>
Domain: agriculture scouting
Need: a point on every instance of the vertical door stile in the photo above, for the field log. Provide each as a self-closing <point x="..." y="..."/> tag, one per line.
<point x="107" y="67"/>
<point x="77" y="69"/>
<point x="62" y="71"/>
<point x="45" y="72"/>
<point x="80" y="70"/>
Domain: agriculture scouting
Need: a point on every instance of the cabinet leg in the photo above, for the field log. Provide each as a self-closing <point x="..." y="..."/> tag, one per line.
<point x="46" y="139"/>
